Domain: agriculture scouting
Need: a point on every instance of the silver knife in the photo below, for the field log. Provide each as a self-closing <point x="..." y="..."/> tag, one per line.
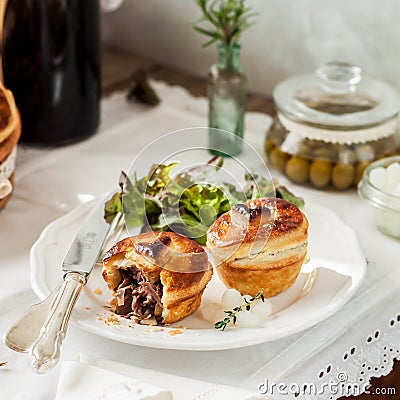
<point x="44" y="339"/>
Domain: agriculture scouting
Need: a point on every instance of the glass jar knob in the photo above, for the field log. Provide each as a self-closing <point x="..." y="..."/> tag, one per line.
<point x="339" y="77"/>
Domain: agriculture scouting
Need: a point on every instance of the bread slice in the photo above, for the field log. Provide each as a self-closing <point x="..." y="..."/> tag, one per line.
<point x="10" y="131"/>
<point x="9" y="116"/>
<point x="156" y="277"/>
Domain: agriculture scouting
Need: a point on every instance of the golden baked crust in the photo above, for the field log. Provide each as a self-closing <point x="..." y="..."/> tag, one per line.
<point x="9" y="117"/>
<point x="4" y="200"/>
<point x="261" y="248"/>
<point x="180" y="264"/>
<point x="284" y="217"/>
<point x="8" y="145"/>
<point x="270" y="223"/>
<point x="255" y="278"/>
<point x="10" y="131"/>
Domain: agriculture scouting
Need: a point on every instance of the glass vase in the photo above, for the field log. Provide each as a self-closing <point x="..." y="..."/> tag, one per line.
<point x="227" y="90"/>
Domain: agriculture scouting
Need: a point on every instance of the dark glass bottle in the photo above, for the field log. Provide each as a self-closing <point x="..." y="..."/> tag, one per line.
<point x="51" y="63"/>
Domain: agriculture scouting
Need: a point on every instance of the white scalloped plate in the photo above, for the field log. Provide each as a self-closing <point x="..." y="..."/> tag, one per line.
<point x="335" y="271"/>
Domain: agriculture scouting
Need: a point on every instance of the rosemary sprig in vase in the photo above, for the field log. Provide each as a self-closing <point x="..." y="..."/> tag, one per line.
<point x="223" y="22"/>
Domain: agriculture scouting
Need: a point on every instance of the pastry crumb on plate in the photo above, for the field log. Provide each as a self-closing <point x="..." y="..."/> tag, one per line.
<point x="174" y="332"/>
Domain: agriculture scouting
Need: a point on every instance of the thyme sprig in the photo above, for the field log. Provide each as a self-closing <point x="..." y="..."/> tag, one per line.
<point x="232" y="314"/>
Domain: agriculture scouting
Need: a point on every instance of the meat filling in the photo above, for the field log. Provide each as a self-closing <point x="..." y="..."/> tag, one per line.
<point x="138" y="298"/>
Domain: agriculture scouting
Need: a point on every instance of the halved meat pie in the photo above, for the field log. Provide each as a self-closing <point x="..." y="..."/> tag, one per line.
<point x="156" y="277"/>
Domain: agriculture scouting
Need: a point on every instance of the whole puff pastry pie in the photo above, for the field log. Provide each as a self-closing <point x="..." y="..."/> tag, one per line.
<point x="156" y="277"/>
<point x="259" y="246"/>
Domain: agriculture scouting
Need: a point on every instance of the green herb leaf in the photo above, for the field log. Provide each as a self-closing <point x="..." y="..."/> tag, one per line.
<point x="158" y="177"/>
<point x="228" y="20"/>
<point x="285" y="194"/>
<point x="220" y="325"/>
<point x="134" y="207"/>
<point x="112" y="207"/>
<point x="205" y="32"/>
<point x="258" y="186"/>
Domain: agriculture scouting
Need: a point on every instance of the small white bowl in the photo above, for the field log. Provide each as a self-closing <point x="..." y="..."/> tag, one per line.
<point x="386" y="205"/>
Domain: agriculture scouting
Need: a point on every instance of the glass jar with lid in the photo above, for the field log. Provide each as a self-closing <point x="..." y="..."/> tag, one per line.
<point x="331" y="125"/>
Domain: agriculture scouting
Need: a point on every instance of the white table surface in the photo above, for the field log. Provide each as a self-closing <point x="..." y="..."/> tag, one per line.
<point x="49" y="184"/>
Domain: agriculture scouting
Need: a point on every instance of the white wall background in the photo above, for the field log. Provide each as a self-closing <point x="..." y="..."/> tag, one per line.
<point x="290" y="36"/>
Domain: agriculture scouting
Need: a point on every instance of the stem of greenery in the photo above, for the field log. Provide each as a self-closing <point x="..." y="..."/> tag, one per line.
<point x="232" y="314"/>
<point x="228" y="20"/>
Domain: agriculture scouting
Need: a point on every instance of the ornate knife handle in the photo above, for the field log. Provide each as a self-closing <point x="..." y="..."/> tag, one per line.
<point x="45" y="352"/>
<point x="26" y="330"/>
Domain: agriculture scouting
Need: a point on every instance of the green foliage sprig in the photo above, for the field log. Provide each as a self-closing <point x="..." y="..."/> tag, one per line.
<point x="228" y="19"/>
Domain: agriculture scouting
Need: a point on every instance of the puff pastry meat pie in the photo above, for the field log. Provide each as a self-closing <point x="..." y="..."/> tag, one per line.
<point x="259" y="246"/>
<point x="156" y="277"/>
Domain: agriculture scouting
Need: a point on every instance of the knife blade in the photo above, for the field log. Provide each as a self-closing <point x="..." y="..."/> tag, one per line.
<point x="47" y="337"/>
<point x="85" y="248"/>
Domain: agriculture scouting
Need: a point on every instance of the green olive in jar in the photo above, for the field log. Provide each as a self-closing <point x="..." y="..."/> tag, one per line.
<point x="320" y="173"/>
<point x="296" y="168"/>
<point x="379" y="147"/>
<point x="304" y="151"/>
<point x="268" y="146"/>
<point x="360" y="167"/>
<point x="278" y="158"/>
<point x="326" y="152"/>
<point x="384" y="146"/>
<point x="313" y="144"/>
<point x="342" y="175"/>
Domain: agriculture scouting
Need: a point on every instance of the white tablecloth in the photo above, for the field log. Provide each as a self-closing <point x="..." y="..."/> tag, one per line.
<point x="361" y="340"/>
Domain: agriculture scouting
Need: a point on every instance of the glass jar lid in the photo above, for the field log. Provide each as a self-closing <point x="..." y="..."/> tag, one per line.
<point x="337" y="97"/>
